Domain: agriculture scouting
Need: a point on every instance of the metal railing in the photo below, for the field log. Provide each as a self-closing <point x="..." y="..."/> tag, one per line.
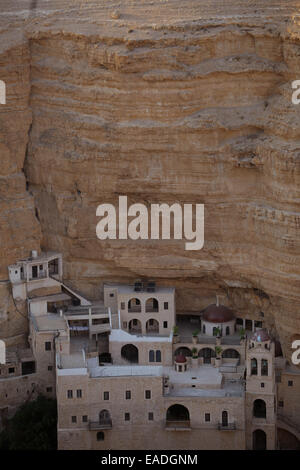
<point x="227" y="427"/>
<point x="105" y="423"/>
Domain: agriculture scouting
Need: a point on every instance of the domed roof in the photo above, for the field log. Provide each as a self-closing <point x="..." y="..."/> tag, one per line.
<point x="260" y="336"/>
<point x="180" y="358"/>
<point x="218" y="314"/>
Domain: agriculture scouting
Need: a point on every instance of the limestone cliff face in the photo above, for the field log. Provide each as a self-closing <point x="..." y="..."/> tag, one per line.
<point x="163" y="101"/>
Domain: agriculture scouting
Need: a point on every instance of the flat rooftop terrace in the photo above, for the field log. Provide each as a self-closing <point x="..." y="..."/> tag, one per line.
<point x="122" y="371"/>
<point x="49" y="322"/>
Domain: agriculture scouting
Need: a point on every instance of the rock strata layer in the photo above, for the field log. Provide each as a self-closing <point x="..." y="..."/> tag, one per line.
<point x="162" y="101"/>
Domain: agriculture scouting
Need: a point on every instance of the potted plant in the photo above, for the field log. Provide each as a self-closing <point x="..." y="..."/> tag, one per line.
<point x="195" y="336"/>
<point x="175" y="334"/>
<point x="218" y="359"/>
<point x="194" y="357"/>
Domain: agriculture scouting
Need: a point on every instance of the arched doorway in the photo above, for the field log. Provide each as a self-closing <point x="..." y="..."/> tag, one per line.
<point x="259" y="409"/>
<point x="134" y="306"/>
<point x="224" y="418"/>
<point x="130" y="353"/>
<point x="152" y="305"/>
<point x="259" y="439"/>
<point x="178" y="413"/>
<point x="207" y="354"/>
<point x="152" y="326"/>
<point x="135" y="326"/>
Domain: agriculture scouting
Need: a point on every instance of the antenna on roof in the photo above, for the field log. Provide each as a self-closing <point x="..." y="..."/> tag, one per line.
<point x="217" y="302"/>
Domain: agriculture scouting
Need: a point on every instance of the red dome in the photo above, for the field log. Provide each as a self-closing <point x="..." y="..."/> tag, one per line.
<point x="218" y="314"/>
<point x="180" y="358"/>
<point x="260" y="336"/>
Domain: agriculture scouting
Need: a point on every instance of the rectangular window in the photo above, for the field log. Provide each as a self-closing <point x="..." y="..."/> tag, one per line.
<point x="207" y="417"/>
<point x="111" y="294"/>
<point x="11" y="370"/>
<point x="74" y="419"/>
<point x="150" y="416"/>
<point x="280" y="403"/>
<point x="125" y="325"/>
<point x="48" y="346"/>
<point x="79" y="393"/>
<point x="84" y="418"/>
<point x="70" y="394"/>
<point x="105" y="395"/>
<point x="290" y="383"/>
<point x="147" y="394"/>
<point x="127" y="416"/>
<point x="262" y="385"/>
<point x="166" y="305"/>
<point x="49" y="389"/>
<point x="122" y="305"/>
<point x="50" y="368"/>
<point x="128" y="394"/>
<point x="165" y="324"/>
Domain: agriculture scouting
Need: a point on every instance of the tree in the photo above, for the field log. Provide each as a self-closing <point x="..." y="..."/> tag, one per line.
<point x="33" y="427"/>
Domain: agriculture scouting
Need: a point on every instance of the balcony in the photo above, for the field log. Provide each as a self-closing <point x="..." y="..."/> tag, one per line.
<point x="227" y="427"/>
<point x="178" y="425"/>
<point x="100" y="425"/>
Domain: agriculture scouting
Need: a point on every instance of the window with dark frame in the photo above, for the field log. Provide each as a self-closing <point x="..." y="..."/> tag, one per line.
<point x="105" y="395"/>
<point x="128" y="395"/>
<point x="127" y="416"/>
<point x="48" y="346"/>
<point x="207" y="417"/>
<point x="147" y="394"/>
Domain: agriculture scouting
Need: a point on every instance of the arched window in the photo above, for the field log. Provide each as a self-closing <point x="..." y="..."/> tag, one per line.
<point x="135" y="326"/>
<point x="253" y="366"/>
<point x="100" y="436"/>
<point x="152" y="326"/>
<point x="227" y="330"/>
<point x="104" y="417"/>
<point x="158" y="356"/>
<point x="259" y="409"/>
<point x="151" y="355"/>
<point x="215" y="331"/>
<point x="134" y="306"/>
<point x="264" y="367"/>
<point x="152" y="305"/>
